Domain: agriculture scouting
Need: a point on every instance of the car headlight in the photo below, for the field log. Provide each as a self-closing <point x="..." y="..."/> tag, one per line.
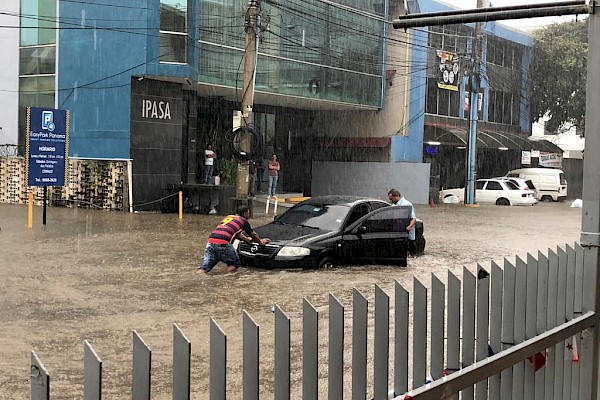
<point x="293" y="251"/>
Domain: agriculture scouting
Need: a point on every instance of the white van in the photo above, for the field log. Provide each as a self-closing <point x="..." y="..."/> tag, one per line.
<point x="550" y="183"/>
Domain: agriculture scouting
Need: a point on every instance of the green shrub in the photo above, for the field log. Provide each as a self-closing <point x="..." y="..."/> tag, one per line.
<point x="227" y="171"/>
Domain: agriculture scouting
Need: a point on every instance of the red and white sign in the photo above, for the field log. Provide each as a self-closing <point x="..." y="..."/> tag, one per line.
<point x="552" y="160"/>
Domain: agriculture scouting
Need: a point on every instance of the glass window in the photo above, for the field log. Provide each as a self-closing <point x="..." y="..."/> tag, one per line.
<point x="511" y="185"/>
<point x="479" y="185"/>
<point x="173" y="48"/>
<point x="37" y="60"/>
<point x="392" y="219"/>
<point x="173" y="16"/>
<point x="173" y="31"/>
<point x="38" y="22"/>
<point x="35" y="91"/>
<point x="493" y="185"/>
<point x="312" y="49"/>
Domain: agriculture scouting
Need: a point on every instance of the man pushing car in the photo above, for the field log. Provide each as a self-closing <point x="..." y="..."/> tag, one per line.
<point x="220" y="247"/>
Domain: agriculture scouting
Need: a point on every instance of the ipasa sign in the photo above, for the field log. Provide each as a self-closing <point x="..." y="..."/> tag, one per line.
<point x="47" y="146"/>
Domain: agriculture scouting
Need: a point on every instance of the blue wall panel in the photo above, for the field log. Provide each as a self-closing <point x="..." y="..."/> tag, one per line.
<point x="100" y="47"/>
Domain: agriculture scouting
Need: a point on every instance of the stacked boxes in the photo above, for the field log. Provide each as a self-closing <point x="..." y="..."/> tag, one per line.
<point x="91" y="183"/>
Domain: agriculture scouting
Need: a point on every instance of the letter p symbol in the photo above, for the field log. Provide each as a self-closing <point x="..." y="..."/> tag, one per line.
<point x="47" y="119"/>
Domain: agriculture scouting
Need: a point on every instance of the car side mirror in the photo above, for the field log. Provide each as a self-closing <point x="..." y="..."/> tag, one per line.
<point x="362" y="229"/>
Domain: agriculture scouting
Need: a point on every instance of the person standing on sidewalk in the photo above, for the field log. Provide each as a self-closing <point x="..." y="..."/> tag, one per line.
<point x="274" y="168"/>
<point x="220" y="247"/>
<point x="209" y="160"/>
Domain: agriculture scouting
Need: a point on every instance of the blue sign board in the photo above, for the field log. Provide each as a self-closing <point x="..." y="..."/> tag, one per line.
<point x="47" y="146"/>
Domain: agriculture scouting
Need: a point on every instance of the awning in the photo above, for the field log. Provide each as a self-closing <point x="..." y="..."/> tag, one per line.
<point x="487" y="139"/>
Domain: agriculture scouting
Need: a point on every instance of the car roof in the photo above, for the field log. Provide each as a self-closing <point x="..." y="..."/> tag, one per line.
<point x="340" y="199"/>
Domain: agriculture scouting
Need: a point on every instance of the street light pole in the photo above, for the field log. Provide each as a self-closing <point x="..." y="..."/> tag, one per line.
<point x="474" y="83"/>
<point x="252" y="29"/>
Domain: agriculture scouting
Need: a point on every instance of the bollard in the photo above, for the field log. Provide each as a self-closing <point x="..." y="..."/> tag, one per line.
<point x="30" y="203"/>
<point x="180" y="204"/>
<point x="267" y="208"/>
<point x="275" y="206"/>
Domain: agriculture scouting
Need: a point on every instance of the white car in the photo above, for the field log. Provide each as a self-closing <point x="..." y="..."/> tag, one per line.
<point x="493" y="191"/>
<point x="525" y="184"/>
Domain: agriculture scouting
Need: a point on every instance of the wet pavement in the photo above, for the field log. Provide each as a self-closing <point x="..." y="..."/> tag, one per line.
<point x="98" y="275"/>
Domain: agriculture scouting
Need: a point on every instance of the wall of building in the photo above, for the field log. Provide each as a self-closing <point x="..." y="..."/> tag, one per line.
<point x="371" y="179"/>
<point x="9" y="72"/>
<point x="392" y="118"/>
<point x="94" y="71"/>
<point x="158" y="144"/>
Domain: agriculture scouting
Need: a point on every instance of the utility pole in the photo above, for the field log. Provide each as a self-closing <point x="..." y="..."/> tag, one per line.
<point x="474" y="84"/>
<point x="252" y="28"/>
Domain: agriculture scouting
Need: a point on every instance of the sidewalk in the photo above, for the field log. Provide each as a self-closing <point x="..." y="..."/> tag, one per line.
<point x="283" y="199"/>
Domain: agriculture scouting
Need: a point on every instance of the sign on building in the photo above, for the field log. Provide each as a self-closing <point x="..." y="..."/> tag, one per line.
<point x="526" y="157"/>
<point x="551" y="160"/>
<point x="47" y="146"/>
<point x="449" y="70"/>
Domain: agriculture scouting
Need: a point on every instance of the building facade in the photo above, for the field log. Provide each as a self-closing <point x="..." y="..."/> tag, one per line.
<point x="444" y="62"/>
<point x="149" y="83"/>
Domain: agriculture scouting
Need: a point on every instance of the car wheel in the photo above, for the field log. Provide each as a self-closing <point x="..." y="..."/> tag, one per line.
<point x="325" y="262"/>
<point x="547" y="198"/>
<point x="502" y="202"/>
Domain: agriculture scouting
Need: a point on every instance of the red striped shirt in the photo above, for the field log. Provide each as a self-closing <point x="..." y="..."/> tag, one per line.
<point x="226" y="231"/>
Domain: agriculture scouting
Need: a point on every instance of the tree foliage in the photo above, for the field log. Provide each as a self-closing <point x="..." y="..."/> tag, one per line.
<point x="558" y="74"/>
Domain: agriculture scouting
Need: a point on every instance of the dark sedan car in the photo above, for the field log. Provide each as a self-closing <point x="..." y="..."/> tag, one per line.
<point x="328" y="230"/>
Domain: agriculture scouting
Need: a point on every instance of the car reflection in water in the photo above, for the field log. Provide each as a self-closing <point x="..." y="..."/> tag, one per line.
<point x="324" y="231"/>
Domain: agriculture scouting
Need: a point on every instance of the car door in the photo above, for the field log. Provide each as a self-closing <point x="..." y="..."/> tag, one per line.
<point x="379" y="237"/>
<point x="482" y="195"/>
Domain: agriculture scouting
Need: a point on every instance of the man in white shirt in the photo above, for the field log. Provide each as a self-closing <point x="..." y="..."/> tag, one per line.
<point x="209" y="157"/>
<point x="398" y="200"/>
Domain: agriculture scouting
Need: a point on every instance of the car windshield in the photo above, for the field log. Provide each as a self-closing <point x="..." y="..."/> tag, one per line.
<point x="321" y="216"/>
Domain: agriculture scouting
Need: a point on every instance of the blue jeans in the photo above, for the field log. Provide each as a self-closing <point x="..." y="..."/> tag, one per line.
<point x="208" y="171"/>
<point x="219" y="252"/>
<point x="272" y="185"/>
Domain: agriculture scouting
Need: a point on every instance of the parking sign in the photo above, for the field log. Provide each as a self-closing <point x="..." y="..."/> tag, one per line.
<point x="47" y="146"/>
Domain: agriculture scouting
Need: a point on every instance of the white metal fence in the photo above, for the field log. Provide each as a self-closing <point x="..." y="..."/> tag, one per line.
<point x="516" y="332"/>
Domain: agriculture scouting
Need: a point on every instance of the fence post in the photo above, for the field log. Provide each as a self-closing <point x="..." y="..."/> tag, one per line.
<point x="508" y="326"/>
<point x="310" y="351"/>
<point x="336" y="349"/>
<point x="40" y="379"/>
<point x="251" y="357"/>
<point x="92" y="373"/>
<point x="401" y="299"/>
<point x="218" y="362"/>
<point x="282" y="355"/>
<point x="381" y="357"/>
<point x="30" y="210"/>
<point x="453" y="330"/>
<point x="468" y="329"/>
<point x="419" y="334"/>
<point x="180" y="204"/>
<point x="438" y="313"/>
<point x="142" y="363"/>
<point x="182" y="349"/>
<point x="360" y="313"/>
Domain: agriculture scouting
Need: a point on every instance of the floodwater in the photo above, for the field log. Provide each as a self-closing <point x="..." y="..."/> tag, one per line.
<point x="98" y="275"/>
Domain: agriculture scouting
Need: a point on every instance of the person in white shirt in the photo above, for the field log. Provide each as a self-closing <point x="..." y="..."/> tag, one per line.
<point x="209" y="157"/>
<point x="398" y="200"/>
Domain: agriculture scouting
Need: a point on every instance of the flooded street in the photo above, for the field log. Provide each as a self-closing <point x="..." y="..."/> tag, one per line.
<point x="97" y="276"/>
